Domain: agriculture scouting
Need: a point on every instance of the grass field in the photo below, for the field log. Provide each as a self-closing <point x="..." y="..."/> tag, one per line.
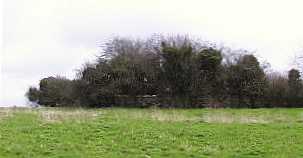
<point x="149" y="133"/>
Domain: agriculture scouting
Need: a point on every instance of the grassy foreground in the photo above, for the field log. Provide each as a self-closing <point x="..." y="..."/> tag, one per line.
<point x="149" y="133"/>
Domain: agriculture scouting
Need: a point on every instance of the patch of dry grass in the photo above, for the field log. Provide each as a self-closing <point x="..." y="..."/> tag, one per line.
<point x="250" y="117"/>
<point x="229" y="118"/>
<point x="300" y="118"/>
<point x="153" y="114"/>
<point x="8" y="112"/>
<point x="5" y="113"/>
<point x="78" y="115"/>
<point x="173" y="116"/>
<point x="51" y="115"/>
<point x="54" y="115"/>
<point x="206" y="115"/>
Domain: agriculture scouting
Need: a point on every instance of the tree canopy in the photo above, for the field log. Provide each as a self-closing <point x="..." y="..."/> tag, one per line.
<point x="177" y="71"/>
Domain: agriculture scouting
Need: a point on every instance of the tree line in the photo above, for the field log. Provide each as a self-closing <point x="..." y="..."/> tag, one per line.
<point x="180" y="69"/>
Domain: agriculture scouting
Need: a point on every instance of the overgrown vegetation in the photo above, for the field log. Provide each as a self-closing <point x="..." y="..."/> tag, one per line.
<point x="112" y="132"/>
<point x="178" y="71"/>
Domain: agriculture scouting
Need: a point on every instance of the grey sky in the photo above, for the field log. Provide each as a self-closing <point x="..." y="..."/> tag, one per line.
<point x="54" y="37"/>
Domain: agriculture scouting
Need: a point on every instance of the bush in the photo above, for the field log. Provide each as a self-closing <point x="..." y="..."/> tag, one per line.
<point x="179" y="71"/>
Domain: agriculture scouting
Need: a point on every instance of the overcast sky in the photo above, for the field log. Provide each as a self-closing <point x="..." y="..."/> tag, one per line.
<point x="54" y="37"/>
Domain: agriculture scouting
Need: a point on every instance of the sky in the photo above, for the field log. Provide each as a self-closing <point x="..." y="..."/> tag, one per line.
<point x="55" y="37"/>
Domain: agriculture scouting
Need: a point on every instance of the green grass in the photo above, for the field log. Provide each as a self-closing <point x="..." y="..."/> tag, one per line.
<point x="150" y="133"/>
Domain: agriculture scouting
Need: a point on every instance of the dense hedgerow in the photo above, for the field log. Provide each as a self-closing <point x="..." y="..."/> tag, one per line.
<point x="178" y="68"/>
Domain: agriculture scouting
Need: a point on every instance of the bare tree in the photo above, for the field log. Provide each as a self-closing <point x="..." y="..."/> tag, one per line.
<point x="298" y="60"/>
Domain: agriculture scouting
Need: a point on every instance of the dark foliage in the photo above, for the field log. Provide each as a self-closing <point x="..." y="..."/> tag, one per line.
<point x="171" y="72"/>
